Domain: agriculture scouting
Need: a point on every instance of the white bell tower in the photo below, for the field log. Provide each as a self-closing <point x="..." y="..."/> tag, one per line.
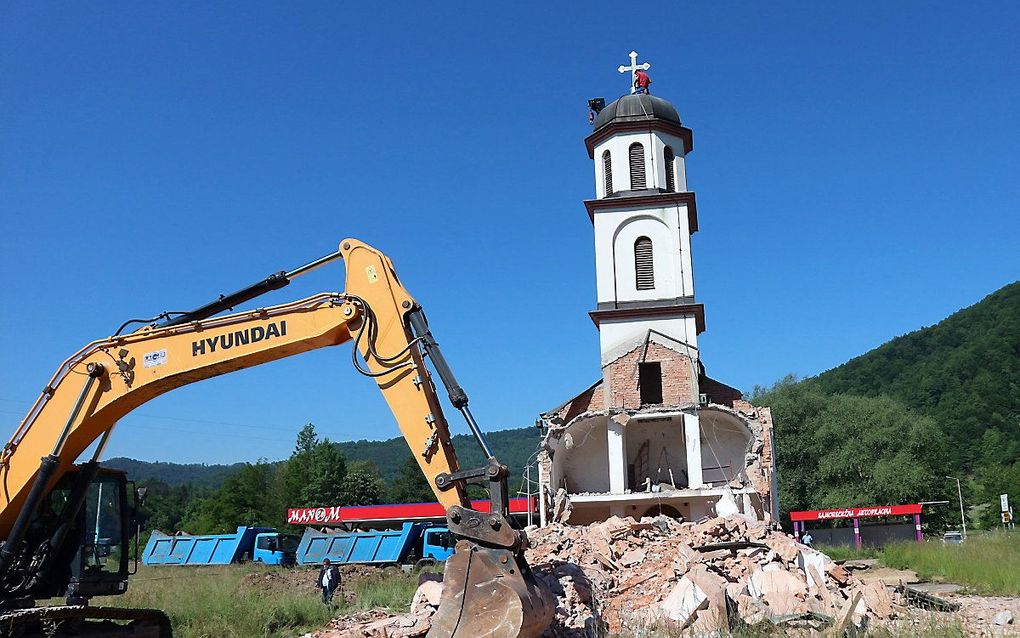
<point x="643" y="217"/>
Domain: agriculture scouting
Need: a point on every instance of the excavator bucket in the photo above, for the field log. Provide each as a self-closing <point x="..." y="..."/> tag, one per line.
<point x="491" y="593"/>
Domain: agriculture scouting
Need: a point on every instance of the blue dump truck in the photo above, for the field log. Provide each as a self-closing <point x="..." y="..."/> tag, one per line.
<point x="413" y="544"/>
<point x="258" y="544"/>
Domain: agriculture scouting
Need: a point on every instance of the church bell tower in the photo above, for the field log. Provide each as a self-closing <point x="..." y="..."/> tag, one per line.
<point x="643" y="216"/>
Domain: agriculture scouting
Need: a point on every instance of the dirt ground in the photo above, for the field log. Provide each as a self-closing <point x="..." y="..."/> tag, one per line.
<point x="978" y="612"/>
<point x="976" y="615"/>
<point x="303" y="579"/>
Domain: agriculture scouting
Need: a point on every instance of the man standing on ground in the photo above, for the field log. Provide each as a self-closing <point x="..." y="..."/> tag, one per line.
<point x="808" y="539"/>
<point x="329" y="581"/>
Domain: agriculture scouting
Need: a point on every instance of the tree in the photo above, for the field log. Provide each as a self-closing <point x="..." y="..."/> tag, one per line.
<point x="410" y="485"/>
<point x="844" y="450"/>
<point x="296" y="471"/>
<point x="242" y="500"/>
<point x="327" y="475"/>
<point x="363" y="485"/>
<point x="873" y="450"/>
<point x="164" y="506"/>
<point x="307" y="440"/>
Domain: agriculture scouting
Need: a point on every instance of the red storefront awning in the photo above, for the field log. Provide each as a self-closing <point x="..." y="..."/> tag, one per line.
<point x="856" y="512"/>
<point x="392" y="512"/>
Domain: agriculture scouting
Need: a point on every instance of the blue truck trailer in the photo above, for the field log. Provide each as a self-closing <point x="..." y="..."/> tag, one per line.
<point x="412" y="543"/>
<point x="258" y="544"/>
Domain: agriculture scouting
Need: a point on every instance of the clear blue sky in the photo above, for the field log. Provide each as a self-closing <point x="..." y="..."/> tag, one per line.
<point x="856" y="170"/>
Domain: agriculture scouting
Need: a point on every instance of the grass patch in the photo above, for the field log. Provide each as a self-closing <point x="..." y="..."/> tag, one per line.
<point x="208" y="602"/>
<point x="987" y="564"/>
<point x="253" y="601"/>
<point x="391" y="589"/>
<point x="845" y="552"/>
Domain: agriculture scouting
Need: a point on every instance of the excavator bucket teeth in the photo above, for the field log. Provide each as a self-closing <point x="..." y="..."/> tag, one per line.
<point x="491" y="593"/>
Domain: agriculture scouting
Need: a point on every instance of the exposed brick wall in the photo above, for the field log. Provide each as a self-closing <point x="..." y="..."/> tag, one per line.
<point x="719" y="392"/>
<point x="588" y="401"/>
<point x="621" y="377"/>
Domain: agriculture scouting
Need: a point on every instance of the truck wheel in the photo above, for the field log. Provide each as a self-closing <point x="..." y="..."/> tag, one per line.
<point x="425" y="562"/>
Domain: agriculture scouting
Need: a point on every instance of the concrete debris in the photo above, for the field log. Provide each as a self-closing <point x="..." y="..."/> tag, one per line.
<point x="377" y="623"/>
<point x="426" y="596"/>
<point x="623" y="575"/>
<point x="727" y="505"/>
<point x="561" y="506"/>
<point x="918" y="598"/>
<point x="683" y="601"/>
<point x="1003" y="618"/>
<point x="644" y="573"/>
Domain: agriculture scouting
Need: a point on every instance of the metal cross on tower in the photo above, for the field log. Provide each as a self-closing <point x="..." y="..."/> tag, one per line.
<point x="634" y="68"/>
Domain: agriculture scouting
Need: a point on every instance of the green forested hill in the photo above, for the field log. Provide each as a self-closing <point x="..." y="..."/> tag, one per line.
<point x="890" y="425"/>
<point x="174" y="474"/>
<point x="512" y="447"/>
<point x="217" y="498"/>
<point x="963" y="372"/>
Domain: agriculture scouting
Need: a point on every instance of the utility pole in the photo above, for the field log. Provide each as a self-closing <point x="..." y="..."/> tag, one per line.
<point x="959" y="492"/>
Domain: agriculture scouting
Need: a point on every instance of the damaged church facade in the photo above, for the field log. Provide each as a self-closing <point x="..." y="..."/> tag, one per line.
<point x="655" y="434"/>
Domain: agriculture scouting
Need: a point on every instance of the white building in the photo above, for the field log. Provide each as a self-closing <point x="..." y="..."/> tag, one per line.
<point x="654" y="434"/>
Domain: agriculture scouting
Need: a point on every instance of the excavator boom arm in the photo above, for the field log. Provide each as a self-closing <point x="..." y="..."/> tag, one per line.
<point x="490" y="589"/>
<point x="140" y="366"/>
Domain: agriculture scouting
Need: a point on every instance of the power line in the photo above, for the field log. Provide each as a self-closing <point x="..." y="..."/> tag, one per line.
<point x="148" y="415"/>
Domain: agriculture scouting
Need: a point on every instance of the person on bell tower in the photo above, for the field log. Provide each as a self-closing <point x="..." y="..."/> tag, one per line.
<point x="641" y="82"/>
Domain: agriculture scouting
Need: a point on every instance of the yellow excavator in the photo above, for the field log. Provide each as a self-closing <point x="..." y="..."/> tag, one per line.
<point x="67" y="527"/>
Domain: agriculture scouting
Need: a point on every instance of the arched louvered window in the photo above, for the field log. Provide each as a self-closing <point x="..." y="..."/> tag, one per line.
<point x="643" y="264"/>
<point x="607" y="167"/>
<point x="668" y="158"/>
<point x="637" y="166"/>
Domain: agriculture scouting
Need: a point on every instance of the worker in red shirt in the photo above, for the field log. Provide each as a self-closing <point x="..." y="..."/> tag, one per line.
<point x="641" y="82"/>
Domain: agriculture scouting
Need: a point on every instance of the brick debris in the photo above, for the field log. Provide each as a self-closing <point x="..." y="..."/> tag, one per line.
<point x="627" y="575"/>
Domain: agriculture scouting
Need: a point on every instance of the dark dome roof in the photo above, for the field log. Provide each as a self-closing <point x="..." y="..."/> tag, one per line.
<point x="637" y="108"/>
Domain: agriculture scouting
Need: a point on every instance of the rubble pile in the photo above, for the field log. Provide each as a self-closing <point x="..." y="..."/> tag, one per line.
<point x="721" y="573"/>
<point x="622" y="576"/>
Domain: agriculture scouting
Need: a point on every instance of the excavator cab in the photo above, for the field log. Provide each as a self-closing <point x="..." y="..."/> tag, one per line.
<point x="102" y="564"/>
<point x="79" y="543"/>
<point x="78" y="546"/>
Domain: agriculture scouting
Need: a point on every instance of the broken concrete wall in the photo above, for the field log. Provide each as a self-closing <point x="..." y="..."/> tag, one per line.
<point x="735" y="452"/>
<point x="726" y="441"/>
<point x="656" y="424"/>
<point x="579" y="469"/>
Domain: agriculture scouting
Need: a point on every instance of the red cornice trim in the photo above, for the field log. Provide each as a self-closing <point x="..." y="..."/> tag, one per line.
<point x="698" y="310"/>
<point x="612" y="203"/>
<point x="684" y="133"/>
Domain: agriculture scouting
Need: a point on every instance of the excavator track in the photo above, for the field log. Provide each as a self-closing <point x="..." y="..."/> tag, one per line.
<point x="85" y="622"/>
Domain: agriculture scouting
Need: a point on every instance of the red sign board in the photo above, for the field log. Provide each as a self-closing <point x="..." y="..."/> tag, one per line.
<point x="395" y="512"/>
<point x="856" y="512"/>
